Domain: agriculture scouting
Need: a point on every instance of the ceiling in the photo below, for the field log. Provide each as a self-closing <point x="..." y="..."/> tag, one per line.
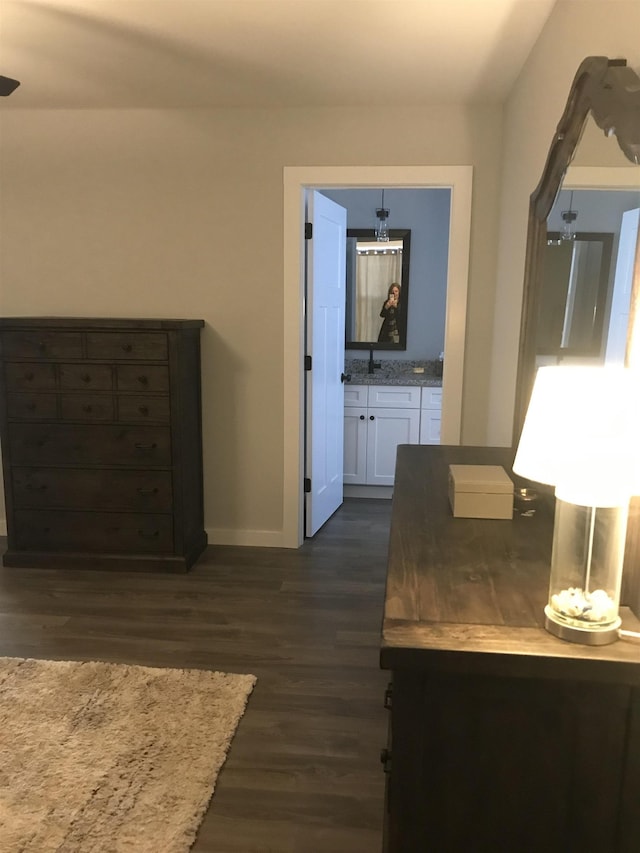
<point x="263" y="53"/>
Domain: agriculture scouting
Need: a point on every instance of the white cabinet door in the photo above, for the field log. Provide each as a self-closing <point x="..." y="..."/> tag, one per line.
<point x="386" y="429"/>
<point x="430" y="420"/>
<point x="355" y="445"/>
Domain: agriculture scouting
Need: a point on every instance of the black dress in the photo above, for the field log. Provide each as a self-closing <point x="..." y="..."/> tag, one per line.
<point x="389" y="333"/>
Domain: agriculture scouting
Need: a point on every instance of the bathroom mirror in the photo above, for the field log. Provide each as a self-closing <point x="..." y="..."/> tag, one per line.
<point x="377" y="290"/>
<point x="573" y="300"/>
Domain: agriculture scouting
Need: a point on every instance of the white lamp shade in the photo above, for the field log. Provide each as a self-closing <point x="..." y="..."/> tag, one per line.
<point x="582" y="434"/>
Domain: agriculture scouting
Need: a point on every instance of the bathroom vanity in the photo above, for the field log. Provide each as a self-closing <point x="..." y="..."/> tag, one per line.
<point x="382" y="410"/>
<point x="501" y="736"/>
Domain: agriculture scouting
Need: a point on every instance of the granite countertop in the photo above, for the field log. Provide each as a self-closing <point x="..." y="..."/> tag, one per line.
<point x="394" y="372"/>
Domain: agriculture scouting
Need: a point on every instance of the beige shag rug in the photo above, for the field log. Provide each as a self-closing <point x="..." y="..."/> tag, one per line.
<point x="108" y="758"/>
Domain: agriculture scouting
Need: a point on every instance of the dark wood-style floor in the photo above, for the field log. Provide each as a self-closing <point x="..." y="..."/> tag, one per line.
<point x="303" y="773"/>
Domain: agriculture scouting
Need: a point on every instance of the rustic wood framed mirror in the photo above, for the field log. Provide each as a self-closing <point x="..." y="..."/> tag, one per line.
<point x="607" y="91"/>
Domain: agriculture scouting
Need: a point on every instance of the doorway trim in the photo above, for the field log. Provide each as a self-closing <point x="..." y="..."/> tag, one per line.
<point x="297" y="180"/>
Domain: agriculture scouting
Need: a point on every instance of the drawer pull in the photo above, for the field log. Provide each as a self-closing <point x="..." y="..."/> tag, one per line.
<point x="361" y="417"/>
<point x="149" y="534"/>
<point x="31" y="407"/>
<point x="29" y="376"/>
<point x="87" y="409"/>
<point x="32" y="487"/>
<point x="146" y="446"/>
<point x="144" y="410"/>
<point x="86" y="378"/>
<point x="385" y="759"/>
<point x="127" y="347"/>
<point x="371" y="418"/>
<point x="143" y="380"/>
<point x="42" y="346"/>
<point x="143" y="491"/>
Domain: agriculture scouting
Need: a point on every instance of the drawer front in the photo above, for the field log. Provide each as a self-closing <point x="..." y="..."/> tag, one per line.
<point x="146" y="346"/>
<point x="143" y="409"/>
<point x="394" y="396"/>
<point x="89" y="444"/>
<point x="27" y="377"/>
<point x="141" y="491"/>
<point x="109" y="532"/>
<point x="96" y="377"/>
<point x="143" y="377"/>
<point x="42" y="344"/>
<point x="32" y="406"/>
<point x="432" y="398"/>
<point x="86" y="407"/>
<point x="355" y="395"/>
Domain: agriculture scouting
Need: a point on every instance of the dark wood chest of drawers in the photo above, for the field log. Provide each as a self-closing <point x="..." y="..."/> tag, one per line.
<point x="102" y="442"/>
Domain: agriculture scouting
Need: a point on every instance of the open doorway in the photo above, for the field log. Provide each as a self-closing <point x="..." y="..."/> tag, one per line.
<point x="297" y="180"/>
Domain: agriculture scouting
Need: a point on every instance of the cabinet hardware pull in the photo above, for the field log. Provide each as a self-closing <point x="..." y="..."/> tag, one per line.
<point x="86" y="378"/>
<point x="361" y="417"/>
<point x="153" y="535"/>
<point x="87" y="408"/>
<point x="143" y="380"/>
<point x="143" y="491"/>
<point x="32" y="487"/>
<point x="29" y="376"/>
<point x="371" y="418"/>
<point x="146" y="446"/>
<point x="127" y="347"/>
<point x="144" y="410"/>
<point x="385" y="759"/>
<point x="42" y="346"/>
<point x="31" y="407"/>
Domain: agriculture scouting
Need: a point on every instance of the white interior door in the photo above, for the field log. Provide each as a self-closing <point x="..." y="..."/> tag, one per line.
<point x="325" y="306"/>
<point x="623" y="281"/>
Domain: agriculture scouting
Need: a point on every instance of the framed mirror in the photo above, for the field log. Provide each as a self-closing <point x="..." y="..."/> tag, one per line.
<point x="377" y="290"/>
<point x="574" y="288"/>
<point x="606" y="91"/>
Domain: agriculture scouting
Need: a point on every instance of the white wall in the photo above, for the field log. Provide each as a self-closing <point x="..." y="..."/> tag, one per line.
<point x="575" y="29"/>
<point x="179" y="213"/>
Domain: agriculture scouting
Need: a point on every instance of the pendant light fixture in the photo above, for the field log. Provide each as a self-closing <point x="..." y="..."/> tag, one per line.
<point x="382" y="229"/>
<point x="569" y="217"/>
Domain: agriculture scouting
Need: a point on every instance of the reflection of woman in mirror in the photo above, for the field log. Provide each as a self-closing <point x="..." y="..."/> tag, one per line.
<point x="389" y="333"/>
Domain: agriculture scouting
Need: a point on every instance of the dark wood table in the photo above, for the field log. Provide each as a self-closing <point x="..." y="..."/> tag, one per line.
<point x="502" y="737"/>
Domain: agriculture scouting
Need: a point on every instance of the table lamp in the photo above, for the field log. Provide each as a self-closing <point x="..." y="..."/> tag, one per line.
<point x="582" y="435"/>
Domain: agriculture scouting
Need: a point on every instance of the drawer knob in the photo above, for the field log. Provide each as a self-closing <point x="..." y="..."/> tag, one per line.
<point x="149" y="534"/>
<point x="29" y="376"/>
<point x="87" y="409"/>
<point x="145" y="492"/>
<point x="31" y="407"/>
<point x="143" y="380"/>
<point x="385" y="759"/>
<point x="127" y="347"/>
<point x="146" y="446"/>
<point x="361" y="417"/>
<point x="144" y="410"/>
<point x="371" y="418"/>
<point x="86" y="378"/>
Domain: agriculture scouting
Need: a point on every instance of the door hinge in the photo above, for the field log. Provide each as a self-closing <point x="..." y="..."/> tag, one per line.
<point x="307" y="362"/>
<point x="307" y="484"/>
<point x="308" y="230"/>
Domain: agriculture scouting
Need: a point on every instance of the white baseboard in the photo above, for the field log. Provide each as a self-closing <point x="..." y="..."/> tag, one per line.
<point x="256" y="538"/>
<point x="385" y="492"/>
